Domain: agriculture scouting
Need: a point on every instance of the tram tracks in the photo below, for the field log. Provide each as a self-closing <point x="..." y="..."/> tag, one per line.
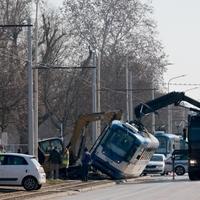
<point x="70" y="187"/>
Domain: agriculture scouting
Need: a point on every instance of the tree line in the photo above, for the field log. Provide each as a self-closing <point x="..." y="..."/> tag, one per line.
<point x="117" y="30"/>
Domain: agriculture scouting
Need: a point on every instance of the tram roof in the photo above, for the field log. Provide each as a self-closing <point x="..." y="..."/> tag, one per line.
<point x="168" y="135"/>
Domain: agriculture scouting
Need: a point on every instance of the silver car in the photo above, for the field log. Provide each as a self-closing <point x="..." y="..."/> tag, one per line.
<point x="180" y="165"/>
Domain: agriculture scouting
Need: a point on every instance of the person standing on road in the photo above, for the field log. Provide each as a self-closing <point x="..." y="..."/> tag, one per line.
<point x="55" y="161"/>
<point x="86" y="160"/>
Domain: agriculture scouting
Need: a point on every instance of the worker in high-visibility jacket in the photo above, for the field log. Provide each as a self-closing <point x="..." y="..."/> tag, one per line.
<point x="65" y="161"/>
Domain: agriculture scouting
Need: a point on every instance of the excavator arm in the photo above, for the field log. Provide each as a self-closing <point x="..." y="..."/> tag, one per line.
<point x="78" y="134"/>
<point x="171" y="98"/>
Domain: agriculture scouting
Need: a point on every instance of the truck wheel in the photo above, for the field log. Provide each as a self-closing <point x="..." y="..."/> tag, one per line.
<point x="192" y="176"/>
<point x="179" y="170"/>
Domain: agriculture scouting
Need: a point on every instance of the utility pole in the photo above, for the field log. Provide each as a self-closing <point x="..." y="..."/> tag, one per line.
<point x="36" y="85"/>
<point x="94" y="96"/>
<point x="127" y="90"/>
<point x="153" y="114"/>
<point x="131" y="96"/>
<point x="30" y="93"/>
<point x="99" y="92"/>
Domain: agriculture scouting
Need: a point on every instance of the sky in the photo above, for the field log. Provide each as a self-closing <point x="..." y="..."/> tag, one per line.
<point x="178" y="24"/>
<point x="179" y="31"/>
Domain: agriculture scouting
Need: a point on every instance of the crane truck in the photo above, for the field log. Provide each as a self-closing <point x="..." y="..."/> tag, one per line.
<point x="193" y="127"/>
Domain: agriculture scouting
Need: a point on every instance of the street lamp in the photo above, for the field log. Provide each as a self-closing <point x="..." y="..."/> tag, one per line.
<point x="175" y="78"/>
<point x="170" y="107"/>
<point x="185" y="110"/>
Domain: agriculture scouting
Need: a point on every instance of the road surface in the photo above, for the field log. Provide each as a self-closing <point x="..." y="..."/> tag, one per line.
<point x="155" y="188"/>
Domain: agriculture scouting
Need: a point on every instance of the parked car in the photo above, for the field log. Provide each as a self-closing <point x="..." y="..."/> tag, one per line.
<point x="21" y="170"/>
<point x="156" y="165"/>
<point x="180" y="164"/>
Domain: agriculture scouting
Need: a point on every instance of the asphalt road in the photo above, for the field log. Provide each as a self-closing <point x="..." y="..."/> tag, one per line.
<point x="153" y="188"/>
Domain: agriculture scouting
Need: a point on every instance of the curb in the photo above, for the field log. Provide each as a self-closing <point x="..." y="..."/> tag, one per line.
<point x="89" y="188"/>
<point x="103" y="185"/>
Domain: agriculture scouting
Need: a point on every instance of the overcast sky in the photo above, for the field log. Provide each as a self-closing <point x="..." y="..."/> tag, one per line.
<point x="179" y="30"/>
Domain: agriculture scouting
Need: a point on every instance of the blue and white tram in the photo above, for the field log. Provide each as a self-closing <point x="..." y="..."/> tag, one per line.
<point x="169" y="142"/>
<point x="122" y="151"/>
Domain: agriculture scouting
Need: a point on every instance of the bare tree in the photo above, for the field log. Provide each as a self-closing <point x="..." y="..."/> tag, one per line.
<point x="118" y="30"/>
<point x="13" y="75"/>
<point x="59" y="79"/>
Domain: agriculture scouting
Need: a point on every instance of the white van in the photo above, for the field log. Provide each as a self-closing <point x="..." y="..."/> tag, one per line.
<point x="21" y="170"/>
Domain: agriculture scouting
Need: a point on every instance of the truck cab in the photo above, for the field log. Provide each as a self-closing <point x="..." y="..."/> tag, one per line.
<point x="194" y="147"/>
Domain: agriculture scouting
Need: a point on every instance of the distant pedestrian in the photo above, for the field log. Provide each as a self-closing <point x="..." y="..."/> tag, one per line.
<point x="55" y="161"/>
<point x="19" y="150"/>
<point x="65" y="160"/>
<point x="86" y="160"/>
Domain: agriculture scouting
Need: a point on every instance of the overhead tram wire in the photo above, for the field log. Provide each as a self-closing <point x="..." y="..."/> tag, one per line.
<point x="119" y="91"/>
<point x="14" y="25"/>
<point x="183" y="84"/>
<point x="45" y="66"/>
<point x="39" y="65"/>
<point x="49" y="67"/>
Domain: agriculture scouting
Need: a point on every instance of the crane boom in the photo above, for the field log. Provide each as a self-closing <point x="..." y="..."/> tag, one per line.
<point x="171" y="98"/>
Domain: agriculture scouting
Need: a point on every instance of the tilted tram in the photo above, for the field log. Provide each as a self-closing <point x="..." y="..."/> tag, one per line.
<point x="122" y="150"/>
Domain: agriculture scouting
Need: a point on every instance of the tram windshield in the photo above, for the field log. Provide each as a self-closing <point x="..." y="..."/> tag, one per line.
<point x="163" y="145"/>
<point x="120" y="144"/>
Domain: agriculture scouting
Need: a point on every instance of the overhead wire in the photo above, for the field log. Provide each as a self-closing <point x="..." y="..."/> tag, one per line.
<point x="50" y="66"/>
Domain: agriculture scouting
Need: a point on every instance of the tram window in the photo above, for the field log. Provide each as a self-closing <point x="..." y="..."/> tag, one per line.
<point x="123" y="141"/>
<point x="120" y="143"/>
<point x="176" y="143"/>
<point x="163" y="146"/>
